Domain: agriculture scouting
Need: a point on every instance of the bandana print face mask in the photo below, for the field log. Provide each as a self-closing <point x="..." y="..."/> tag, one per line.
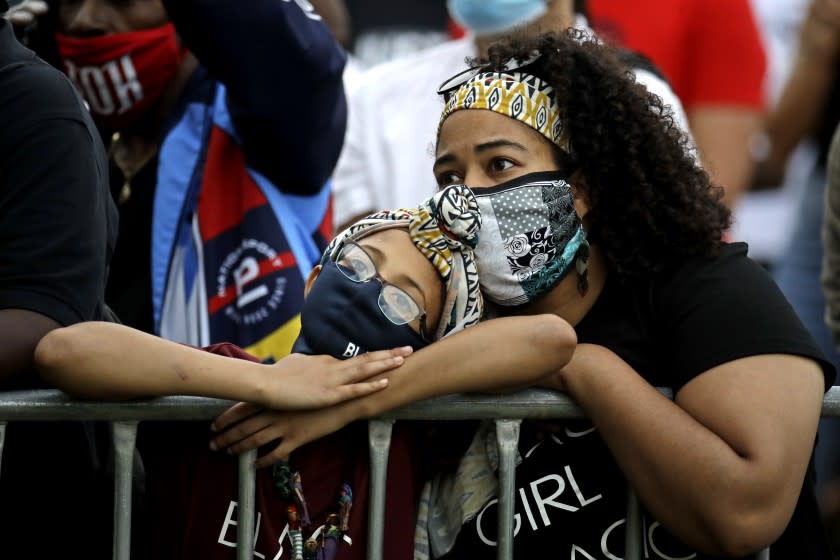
<point x="531" y="238"/>
<point x="121" y="74"/>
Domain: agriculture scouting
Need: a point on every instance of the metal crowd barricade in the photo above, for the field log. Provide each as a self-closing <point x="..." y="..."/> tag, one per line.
<point x="505" y="410"/>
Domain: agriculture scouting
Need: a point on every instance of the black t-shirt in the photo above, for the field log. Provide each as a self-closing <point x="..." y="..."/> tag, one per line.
<point x="57" y="230"/>
<point x="570" y="494"/>
<point x="129" y="289"/>
<point x="58" y="221"/>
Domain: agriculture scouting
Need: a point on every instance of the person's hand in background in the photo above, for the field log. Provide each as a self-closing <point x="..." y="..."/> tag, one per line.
<point x="26" y="12"/>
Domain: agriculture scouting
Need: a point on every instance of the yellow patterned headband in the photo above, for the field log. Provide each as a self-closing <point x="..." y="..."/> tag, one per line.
<point x="518" y="95"/>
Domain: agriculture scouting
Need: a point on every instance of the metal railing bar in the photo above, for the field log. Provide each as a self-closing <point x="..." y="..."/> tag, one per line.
<point x="124" y="435"/>
<point x="507" y="440"/>
<point x="51" y="404"/>
<point x="633" y="527"/>
<point x="379" y="444"/>
<point x="245" y="528"/>
<point x="2" y="442"/>
<point x="47" y="405"/>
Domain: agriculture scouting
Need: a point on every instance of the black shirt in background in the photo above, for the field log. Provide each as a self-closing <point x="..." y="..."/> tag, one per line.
<point x="57" y="231"/>
<point x="57" y="221"/>
<point x="129" y="289"/>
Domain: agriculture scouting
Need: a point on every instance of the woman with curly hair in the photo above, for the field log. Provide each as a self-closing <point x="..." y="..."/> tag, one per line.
<point x="594" y="209"/>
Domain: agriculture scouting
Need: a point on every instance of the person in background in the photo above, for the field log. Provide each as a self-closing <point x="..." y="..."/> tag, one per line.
<point x="831" y="240"/>
<point x="383" y="31"/>
<point x="712" y="54"/>
<point x="807" y="110"/>
<point x="337" y="18"/>
<point x="58" y="227"/>
<point x="764" y="217"/>
<point x="831" y="291"/>
<point x="220" y="164"/>
<point x="382" y="165"/>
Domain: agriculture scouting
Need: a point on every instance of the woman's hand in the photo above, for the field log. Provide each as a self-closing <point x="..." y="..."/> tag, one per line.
<point x="587" y="358"/>
<point x="246" y="426"/>
<point x="299" y="381"/>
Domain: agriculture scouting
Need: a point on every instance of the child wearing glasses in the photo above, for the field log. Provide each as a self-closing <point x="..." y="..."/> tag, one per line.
<point x="392" y="291"/>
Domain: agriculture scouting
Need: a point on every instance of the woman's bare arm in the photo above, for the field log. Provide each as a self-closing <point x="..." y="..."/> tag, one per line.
<point x="721" y="466"/>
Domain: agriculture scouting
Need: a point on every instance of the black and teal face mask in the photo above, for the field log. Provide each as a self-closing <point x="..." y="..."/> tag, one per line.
<point x="531" y="238"/>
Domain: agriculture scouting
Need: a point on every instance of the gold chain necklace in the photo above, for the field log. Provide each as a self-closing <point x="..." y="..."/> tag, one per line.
<point x="128" y="171"/>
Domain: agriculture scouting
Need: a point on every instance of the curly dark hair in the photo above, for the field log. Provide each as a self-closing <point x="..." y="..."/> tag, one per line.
<point x="652" y="206"/>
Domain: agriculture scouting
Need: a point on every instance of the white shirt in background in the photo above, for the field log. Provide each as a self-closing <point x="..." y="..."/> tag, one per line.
<point x="392" y="124"/>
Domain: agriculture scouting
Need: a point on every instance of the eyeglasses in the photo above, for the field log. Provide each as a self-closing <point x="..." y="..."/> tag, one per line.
<point x="465" y="76"/>
<point x="398" y="307"/>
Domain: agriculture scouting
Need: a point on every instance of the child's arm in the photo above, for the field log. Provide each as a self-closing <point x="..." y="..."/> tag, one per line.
<point x="108" y="361"/>
<point x="496" y="354"/>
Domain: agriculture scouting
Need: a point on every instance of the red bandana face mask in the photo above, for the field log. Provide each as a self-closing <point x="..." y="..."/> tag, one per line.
<point x="121" y="74"/>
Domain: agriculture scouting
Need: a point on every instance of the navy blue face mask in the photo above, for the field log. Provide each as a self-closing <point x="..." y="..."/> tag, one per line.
<point x="342" y="318"/>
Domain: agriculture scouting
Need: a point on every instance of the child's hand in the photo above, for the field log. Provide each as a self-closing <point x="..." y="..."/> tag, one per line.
<point x="247" y="426"/>
<point x="299" y="381"/>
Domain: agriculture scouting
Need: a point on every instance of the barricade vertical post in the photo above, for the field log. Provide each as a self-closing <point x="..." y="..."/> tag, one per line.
<point x="2" y="442"/>
<point x="633" y="527"/>
<point x="379" y="442"/>
<point x="507" y="439"/>
<point x="247" y="501"/>
<point x="124" y="435"/>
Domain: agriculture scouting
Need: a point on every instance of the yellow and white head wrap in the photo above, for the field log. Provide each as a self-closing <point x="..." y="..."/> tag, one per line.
<point x="444" y="228"/>
<point x="517" y="95"/>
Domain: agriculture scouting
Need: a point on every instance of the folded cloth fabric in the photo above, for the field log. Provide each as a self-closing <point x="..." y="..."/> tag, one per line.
<point x="445" y="229"/>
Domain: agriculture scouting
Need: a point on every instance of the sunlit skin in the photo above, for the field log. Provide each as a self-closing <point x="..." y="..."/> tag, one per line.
<point x="399" y="262"/>
<point x="481" y="148"/>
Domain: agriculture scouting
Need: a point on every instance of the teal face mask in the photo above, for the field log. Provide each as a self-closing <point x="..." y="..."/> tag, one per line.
<point x="488" y="17"/>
